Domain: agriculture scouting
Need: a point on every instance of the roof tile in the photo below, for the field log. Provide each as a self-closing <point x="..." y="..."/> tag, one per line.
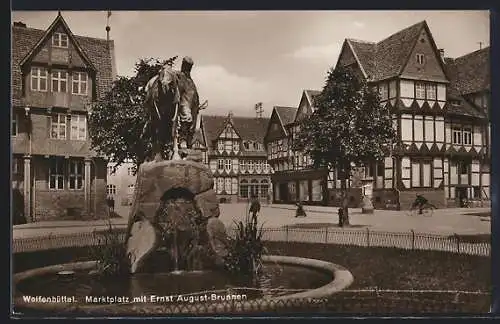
<point x="249" y="128"/>
<point x="286" y="114"/>
<point x="386" y="58"/>
<point x="470" y="73"/>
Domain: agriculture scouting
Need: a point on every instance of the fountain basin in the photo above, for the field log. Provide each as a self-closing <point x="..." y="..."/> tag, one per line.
<point x="331" y="278"/>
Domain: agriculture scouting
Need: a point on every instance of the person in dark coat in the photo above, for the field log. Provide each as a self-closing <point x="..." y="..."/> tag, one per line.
<point x="112" y="204"/>
<point x="254" y="206"/>
<point x="18" y="207"/>
<point x="300" y="212"/>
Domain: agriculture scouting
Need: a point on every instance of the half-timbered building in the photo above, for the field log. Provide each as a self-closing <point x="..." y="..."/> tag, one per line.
<point x="233" y="148"/>
<point x="56" y="75"/>
<point x="294" y="178"/>
<point x="439" y="112"/>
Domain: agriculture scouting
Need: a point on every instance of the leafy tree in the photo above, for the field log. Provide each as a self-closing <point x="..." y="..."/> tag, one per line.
<point x="348" y="128"/>
<point x="117" y="120"/>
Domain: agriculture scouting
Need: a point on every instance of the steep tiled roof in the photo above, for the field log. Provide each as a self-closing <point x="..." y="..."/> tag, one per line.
<point x="467" y="74"/>
<point x="365" y="53"/>
<point x="388" y="57"/>
<point x="249" y="128"/>
<point x="286" y="114"/>
<point x="98" y="51"/>
<point x="311" y="94"/>
<point x="470" y="73"/>
<point x="465" y="108"/>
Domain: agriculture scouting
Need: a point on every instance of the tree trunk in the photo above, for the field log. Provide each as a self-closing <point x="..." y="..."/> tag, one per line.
<point x="345" y="167"/>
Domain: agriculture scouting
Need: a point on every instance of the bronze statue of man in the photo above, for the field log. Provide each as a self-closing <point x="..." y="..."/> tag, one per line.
<point x="173" y="105"/>
<point x="189" y="103"/>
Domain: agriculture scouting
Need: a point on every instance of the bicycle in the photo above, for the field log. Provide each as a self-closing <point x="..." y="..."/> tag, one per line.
<point x="427" y="210"/>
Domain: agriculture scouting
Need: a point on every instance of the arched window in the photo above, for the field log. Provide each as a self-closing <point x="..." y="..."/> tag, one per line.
<point x="244" y="188"/>
<point x="254" y="188"/>
<point x="264" y="188"/>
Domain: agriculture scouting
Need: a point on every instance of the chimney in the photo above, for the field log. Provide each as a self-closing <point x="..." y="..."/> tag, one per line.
<point x="441" y="52"/>
<point x="230" y="115"/>
<point x="19" y="24"/>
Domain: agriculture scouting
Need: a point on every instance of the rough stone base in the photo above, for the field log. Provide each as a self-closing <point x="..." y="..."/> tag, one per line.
<point x="172" y="204"/>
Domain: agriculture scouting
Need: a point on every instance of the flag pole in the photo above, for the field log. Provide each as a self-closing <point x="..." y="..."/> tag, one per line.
<point x="107" y="25"/>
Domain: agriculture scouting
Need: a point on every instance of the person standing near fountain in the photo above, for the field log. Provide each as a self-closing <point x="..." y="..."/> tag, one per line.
<point x="254" y="206"/>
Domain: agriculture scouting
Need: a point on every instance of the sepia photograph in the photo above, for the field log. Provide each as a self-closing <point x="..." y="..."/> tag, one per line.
<point x="250" y="163"/>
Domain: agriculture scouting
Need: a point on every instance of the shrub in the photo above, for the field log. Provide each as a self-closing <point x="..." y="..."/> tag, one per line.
<point x="245" y="250"/>
<point x="110" y="253"/>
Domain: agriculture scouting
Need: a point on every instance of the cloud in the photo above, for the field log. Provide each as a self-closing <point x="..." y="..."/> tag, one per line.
<point x="326" y="52"/>
<point x="227" y="91"/>
<point x="359" y="24"/>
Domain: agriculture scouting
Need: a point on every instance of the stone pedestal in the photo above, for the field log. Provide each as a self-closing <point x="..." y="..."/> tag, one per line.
<point x="173" y="203"/>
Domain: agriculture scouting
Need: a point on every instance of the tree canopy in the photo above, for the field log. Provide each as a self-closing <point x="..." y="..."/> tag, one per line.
<point x="348" y="126"/>
<point x="117" y="119"/>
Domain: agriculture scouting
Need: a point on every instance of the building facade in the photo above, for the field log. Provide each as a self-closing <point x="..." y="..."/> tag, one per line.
<point x="55" y="77"/>
<point x="440" y="114"/>
<point x="294" y="178"/>
<point x="121" y="182"/>
<point x="233" y="149"/>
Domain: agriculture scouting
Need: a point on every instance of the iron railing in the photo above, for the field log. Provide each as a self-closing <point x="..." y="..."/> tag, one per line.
<point x="405" y="240"/>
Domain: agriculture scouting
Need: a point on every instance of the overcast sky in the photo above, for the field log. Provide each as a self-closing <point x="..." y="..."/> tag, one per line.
<point x="246" y="57"/>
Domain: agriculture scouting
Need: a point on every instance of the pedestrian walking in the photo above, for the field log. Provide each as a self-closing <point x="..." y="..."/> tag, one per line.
<point x="108" y="203"/>
<point x="254" y="206"/>
<point x="112" y="204"/>
<point x="300" y="212"/>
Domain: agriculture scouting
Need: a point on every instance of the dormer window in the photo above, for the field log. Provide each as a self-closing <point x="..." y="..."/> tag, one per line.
<point x="60" y="40"/>
<point x="246" y="145"/>
<point x="420" y="59"/>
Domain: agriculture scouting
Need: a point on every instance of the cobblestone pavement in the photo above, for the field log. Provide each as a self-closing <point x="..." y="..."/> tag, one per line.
<point x="382" y="228"/>
<point x="443" y="221"/>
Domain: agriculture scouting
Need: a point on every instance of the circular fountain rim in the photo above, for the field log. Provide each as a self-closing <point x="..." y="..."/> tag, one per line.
<point x="342" y="278"/>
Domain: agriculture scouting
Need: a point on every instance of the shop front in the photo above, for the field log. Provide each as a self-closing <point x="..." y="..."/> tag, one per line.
<point x="307" y="186"/>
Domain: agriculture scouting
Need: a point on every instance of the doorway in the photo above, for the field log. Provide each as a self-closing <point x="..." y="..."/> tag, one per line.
<point x="283" y="192"/>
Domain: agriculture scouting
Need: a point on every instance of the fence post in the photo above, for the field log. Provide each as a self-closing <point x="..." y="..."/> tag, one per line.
<point x="367" y="237"/>
<point x="412" y="240"/>
<point x="326" y="235"/>
<point x="286" y="233"/>
<point x="457" y="238"/>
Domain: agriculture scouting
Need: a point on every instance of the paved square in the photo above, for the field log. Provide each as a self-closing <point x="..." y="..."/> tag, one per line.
<point x="443" y="221"/>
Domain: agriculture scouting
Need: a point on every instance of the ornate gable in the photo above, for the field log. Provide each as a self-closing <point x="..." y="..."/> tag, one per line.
<point x="228" y="132"/>
<point x="58" y="46"/>
<point x="424" y="61"/>
<point x="304" y="109"/>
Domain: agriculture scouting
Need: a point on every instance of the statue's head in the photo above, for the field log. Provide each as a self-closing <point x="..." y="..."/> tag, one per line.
<point x="187" y="64"/>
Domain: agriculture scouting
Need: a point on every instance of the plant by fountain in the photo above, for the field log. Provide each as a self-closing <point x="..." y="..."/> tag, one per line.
<point x="246" y="248"/>
<point x="110" y="253"/>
